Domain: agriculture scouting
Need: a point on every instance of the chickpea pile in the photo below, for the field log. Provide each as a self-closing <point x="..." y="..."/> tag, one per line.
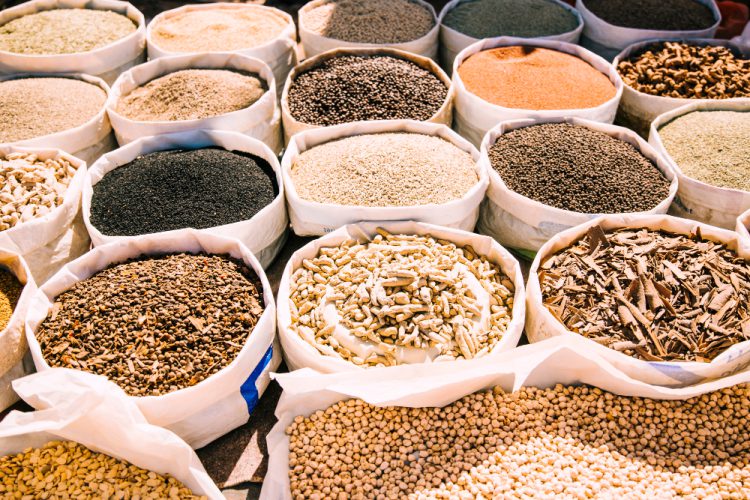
<point x="563" y="442"/>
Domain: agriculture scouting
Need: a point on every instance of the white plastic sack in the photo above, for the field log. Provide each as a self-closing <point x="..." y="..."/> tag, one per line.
<point x="607" y="39"/>
<point x="638" y="109"/>
<point x="105" y="62"/>
<point x="314" y="43"/>
<point x="261" y="120"/>
<point x="201" y="413"/>
<point x="452" y="42"/>
<point x="88" y="141"/>
<point x="743" y="223"/>
<point x="13" y="344"/>
<point x="557" y="361"/>
<point x="264" y="234"/>
<point x="280" y="53"/>
<point x="292" y="126"/>
<point x="311" y="218"/>
<point x="695" y="199"/>
<point x="520" y="222"/>
<point x="299" y="354"/>
<point x="474" y="116"/>
<point x="87" y="409"/>
<point x="541" y="324"/>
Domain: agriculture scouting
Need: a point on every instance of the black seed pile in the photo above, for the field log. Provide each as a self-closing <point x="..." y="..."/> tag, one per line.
<point x="578" y="169"/>
<point x="354" y="88"/>
<point x="667" y="15"/>
<point x="176" y="189"/>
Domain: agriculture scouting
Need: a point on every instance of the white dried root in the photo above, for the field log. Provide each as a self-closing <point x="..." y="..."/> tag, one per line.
<point x="30" y="187"/>
<point x="401" y="291"/>
<point x="64" y="469"/>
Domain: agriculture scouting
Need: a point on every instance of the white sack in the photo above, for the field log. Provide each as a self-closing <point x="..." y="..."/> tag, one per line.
<point x="695" y="199"/>
<point x="87" y="409"/>
<point x="541" y="324"/>
<point x="105" y="62"/>
<point x="311" y="218"/>
<point x="264" y="234"/>
<point x="557" y="361"/>
<point x="520" y="222"/>
<point x="292" y="126"/>
<point x="743" y="222"/>
<point x="474" y="116"/>
<point x="313" y="43"/>
<point x="638" y="109"/>
<point x="280" y="53"/>
<point x="87" y="141"/>
<point x="607" y="39"/>
<point x="261" y="120"/>
<point x="201" y="413"/>
<point x="299" y="354"/>
<point x="452" y="42"/>
<point x="13" y="344"/>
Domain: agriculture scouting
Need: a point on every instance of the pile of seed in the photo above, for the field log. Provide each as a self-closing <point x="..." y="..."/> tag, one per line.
<point x="662" y="15"/>
<point x="687" y="71"/>
<point x="562" y="442"/>
<point x="384" y="170"/>
<point x="64" y="31"/>
<point x="30" y="187"/>
<point x="10" y="292"/>
<point x="535" y="78"/>
<point x="653" y="295"/>
<point x="575" y="168"/>
<point x="355" y="88"/>
<point x="191" y="94"/>
<point x="154" y="325"/>
<point x="522" y="18"/>
<point x="64" y="469"/>
<point x="33" y="107"/>
<point x="365" y="21"/>
<point x="168" y="190"/>
<point x="400" y="299"/>
<point x="218" y="30"/>
<point x="711" y="146"/>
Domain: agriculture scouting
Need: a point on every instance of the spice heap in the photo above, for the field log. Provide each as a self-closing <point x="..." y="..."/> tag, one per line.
<point x="365" y="21"/>
<point x="534" y="78"/>
<point x="64" y="469"/>
<point x="571" y="442"/>
<point x="400" y="299"/>
<point x="652" y="295"/>
<point x="572" y="167"/>
<point x="356" y="88"/>
<point x="522" y="18"/>
<point x="711" y="146"/>
<point x="218" y="30"/>
<point x="33" y="107"/>
<point x="191" y="94"/>
<point x="30" y="187"/>
<point x="10" y="292"/>
<point x="662" y="15"/>
<point x="154" y="325"/>
<point x="383" y="170"/>
<point x="64" y="31"/>
<point x="688" y="71"/>
<point x="169" y="190"/>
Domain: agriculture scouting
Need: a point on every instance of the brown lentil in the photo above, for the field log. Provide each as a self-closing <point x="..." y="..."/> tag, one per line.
<point x="534" y="78"/>
<point x="34" y="107"/>
<point x="10" y="292"/>
<point x="561" y="442"/>
<point x="662" y="15"/>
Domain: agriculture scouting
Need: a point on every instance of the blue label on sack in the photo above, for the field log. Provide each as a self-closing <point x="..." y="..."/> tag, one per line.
<point x="248" y="389"/>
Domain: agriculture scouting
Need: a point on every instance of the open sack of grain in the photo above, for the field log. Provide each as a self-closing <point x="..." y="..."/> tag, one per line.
<point x="661" y="298"/>
<point x="546" y="419"/>
<point x="383" y="170"/>
<point x="199" y="365"/>
<point x="390" y="293"/>
<point x="88" y="439"/>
